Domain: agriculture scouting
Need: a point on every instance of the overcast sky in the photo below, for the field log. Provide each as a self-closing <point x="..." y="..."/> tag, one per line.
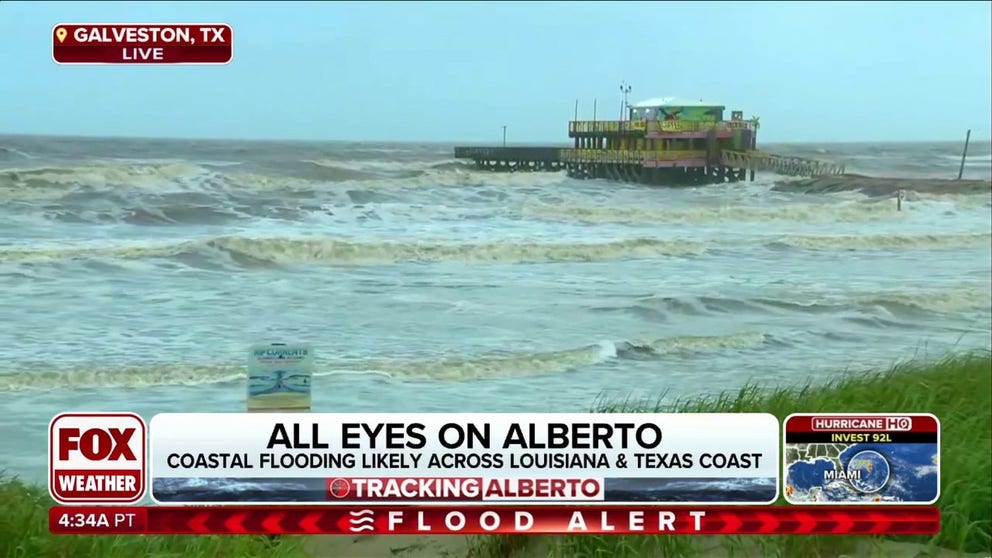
<point x="452" y="71"/>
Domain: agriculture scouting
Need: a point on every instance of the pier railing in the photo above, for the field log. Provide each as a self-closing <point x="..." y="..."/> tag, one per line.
<point x="789" y="166"/>
<point x="699" y="126"/>
<point x="547" y="158"/>
<point x="655" y="126"/>
<point x="526" y="154"/>
<point x="606" y="126"/>
<point x="625" y="156"/>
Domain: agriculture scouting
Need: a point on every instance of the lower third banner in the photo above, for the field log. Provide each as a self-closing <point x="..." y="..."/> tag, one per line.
<point x="705" y="459"/>
<point x="472" y="520"/>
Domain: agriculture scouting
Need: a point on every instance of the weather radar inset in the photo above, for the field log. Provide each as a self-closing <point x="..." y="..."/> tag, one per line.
<point x="861" y="459"/>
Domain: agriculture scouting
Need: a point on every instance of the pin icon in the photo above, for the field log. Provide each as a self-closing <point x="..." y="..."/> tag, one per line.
<point x="60" y="34"/>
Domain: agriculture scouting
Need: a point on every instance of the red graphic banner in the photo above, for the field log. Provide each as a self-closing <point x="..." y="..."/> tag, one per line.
<point x="863" y="423"/>
<point x="159" y="43"/>
<point x="472" y="520"/>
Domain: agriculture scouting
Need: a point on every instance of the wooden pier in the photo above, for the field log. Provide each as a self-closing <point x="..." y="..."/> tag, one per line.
<point x="665" y="141"/>
<point x="786" y="166"/>
<point x="513" y="159"/>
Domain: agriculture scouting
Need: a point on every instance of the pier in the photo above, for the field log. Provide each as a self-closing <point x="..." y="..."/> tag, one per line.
<point x="513" y="159"/>
<point x="664" y="141"/>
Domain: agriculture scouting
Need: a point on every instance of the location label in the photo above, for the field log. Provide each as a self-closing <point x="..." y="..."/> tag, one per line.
<point x="175" y="43"/>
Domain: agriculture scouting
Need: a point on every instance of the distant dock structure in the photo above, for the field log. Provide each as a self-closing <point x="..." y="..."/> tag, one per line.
<point x="662" y="141"/>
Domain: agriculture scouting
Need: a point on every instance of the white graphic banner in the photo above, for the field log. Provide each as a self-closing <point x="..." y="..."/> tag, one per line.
<point x="306" y="458"/>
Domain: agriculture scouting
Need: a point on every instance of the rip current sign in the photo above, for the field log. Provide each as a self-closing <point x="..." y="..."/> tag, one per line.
<point x="97" y="458"/>
<point x="279" y="377"/>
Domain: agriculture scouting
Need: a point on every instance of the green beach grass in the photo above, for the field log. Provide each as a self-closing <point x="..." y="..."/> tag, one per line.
<point x="958" y="390"/>
<point x="24" y="534"/>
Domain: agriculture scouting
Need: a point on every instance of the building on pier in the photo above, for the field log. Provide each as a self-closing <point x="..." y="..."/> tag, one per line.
<point x="675" y="140"/>
<point x="665" y="140"/>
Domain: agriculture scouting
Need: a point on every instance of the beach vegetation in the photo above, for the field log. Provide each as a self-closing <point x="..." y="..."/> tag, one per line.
<point x="957" y="389"/>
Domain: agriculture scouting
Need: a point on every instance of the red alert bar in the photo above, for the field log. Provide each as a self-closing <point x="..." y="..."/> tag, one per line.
<point x="418" y="520"/>
<point x="153" y="43"/>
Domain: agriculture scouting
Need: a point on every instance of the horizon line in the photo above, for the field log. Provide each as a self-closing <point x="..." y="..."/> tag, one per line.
<point x="567" y="141"/>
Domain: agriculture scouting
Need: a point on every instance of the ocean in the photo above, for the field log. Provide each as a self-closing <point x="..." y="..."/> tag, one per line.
<point x="137" y="273"/>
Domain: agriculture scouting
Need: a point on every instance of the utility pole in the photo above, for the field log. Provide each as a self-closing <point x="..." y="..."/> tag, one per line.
<point x="624" y="91"/>
<point x="504" y="135"/>
<point x="964" y="154"/>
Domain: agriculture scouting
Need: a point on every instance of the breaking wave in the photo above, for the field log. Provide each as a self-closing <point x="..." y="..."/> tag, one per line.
<point x="332" y="251"/>
<point x="456" y="368"/>
<point x="881" y="186"/>
<point x="57" y="182"/>
<point x="94" y="175"/>
<point x="641" y="350"/>
<point x="956" y="299"/>
<point x="111" y="178"/>
<point x="164" y="192"/>
<point x="881" y="241"/>
<point x="343" y="170"/>
<point x="385" y="166"/>
<point x="953" y="300"/>
<point x="285" y="251"/>
<point x="11" y="154"/>
<point x="844" y="212"/>
<point x="984" y="160"/>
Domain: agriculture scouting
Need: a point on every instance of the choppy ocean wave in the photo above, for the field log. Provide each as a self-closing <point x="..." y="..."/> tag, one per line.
<point x="394" y="185"/>
<point x="147" y="266"/>
<point x="287" y="251"/>
<point x="845" y="211"/>
<point x="248" y="251"/>
<point x="881" y="241"/>
<point x="11" y="154"/>
<point x="363" y="204"/>
<point x="907" y="302"/>
<point x="901" y="309"/>
<point x="53" y="182"/>
<point x="442" y="368"/>
<point x="937" y="159"/>
<point x="59" y="181"/>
